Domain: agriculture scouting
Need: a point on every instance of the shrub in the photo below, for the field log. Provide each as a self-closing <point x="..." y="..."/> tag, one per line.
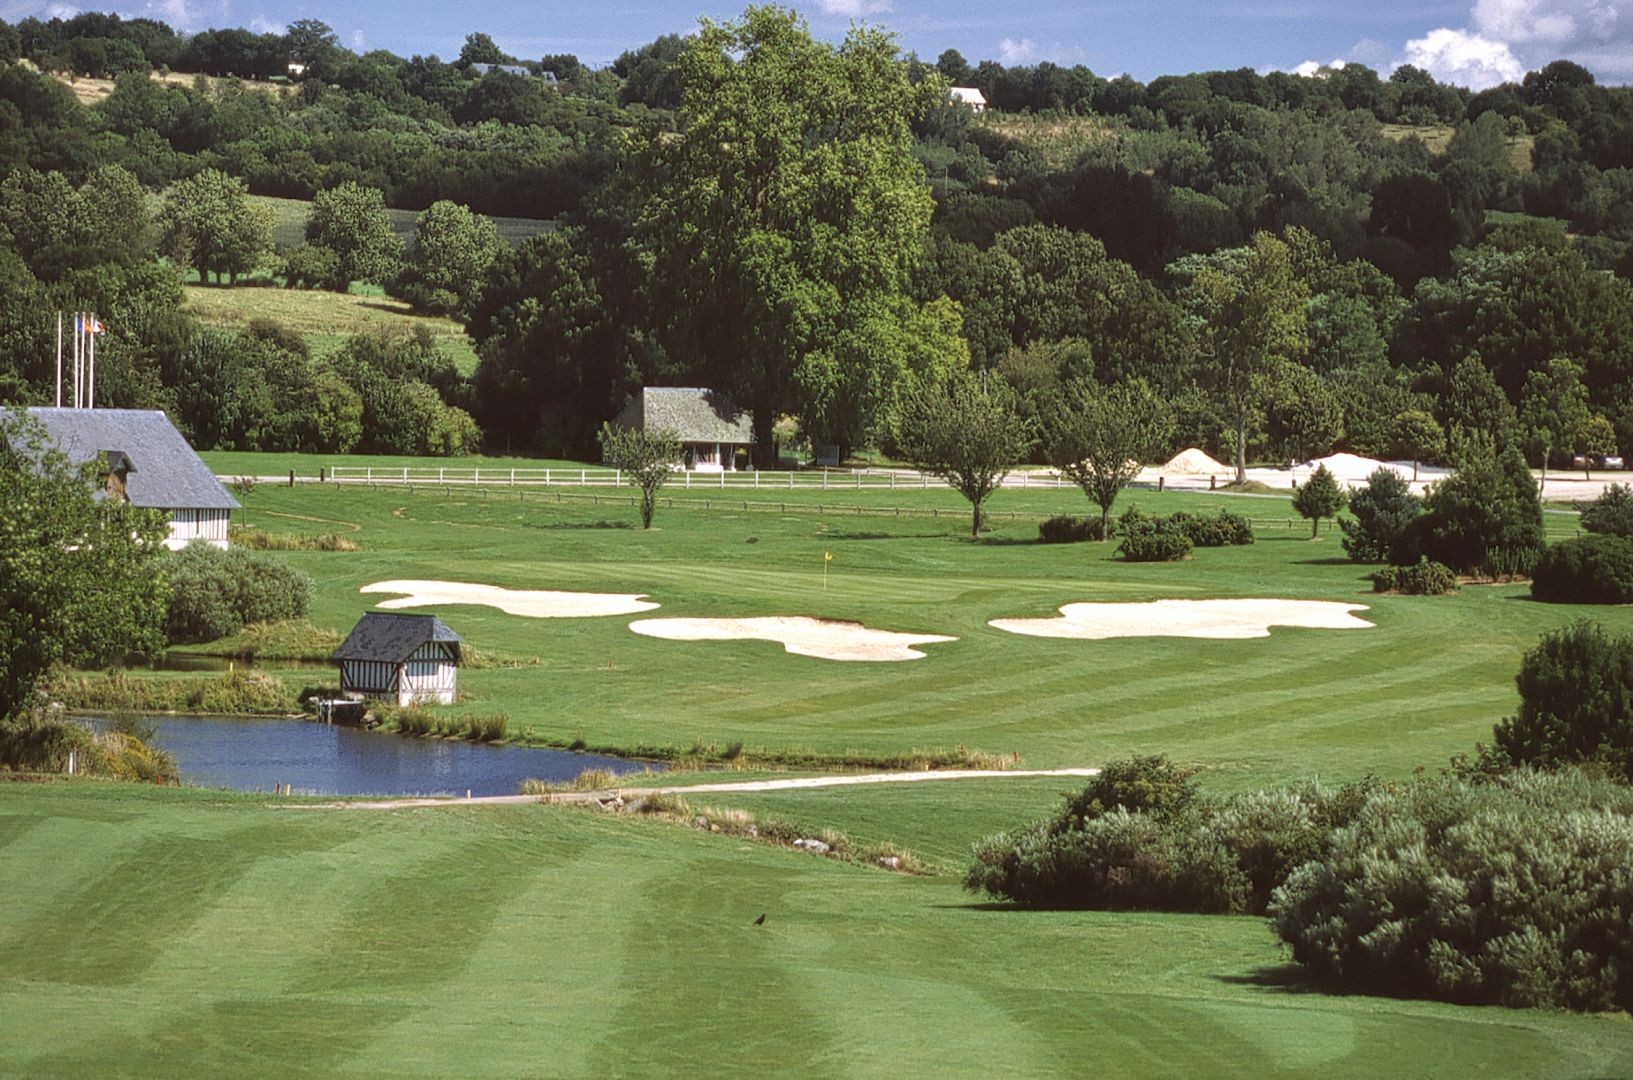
<point x="1147" y="784"/>
<point x="1223" y="529"/>
<point x="1485" y="518"/>
<point x="1164" y="546"/>
<point x="1140" y="835"/>
<point x="1066" y="529"/>
<point x="1151" y="539"/>
<point x="1424" y="578"/>
<point x="214" y="593"/>
<point x="1611" y="513"/>
<point x="1513" y="892"/>
<point x="1384" y="526"/>
<point x="1576" y="702"/>
<point x="1319" y="497"/>
<point x="1594" y="569"/>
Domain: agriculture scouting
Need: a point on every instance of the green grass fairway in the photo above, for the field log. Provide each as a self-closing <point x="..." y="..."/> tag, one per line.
<point x="164" y="933"/>
<point x="1427" y="682"/>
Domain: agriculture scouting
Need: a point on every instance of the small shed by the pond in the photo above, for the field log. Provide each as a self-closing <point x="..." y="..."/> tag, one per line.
<point x="402" y="658"/>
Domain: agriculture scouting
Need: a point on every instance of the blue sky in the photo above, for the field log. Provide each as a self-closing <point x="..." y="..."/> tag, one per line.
<point x="1473" y="42"/>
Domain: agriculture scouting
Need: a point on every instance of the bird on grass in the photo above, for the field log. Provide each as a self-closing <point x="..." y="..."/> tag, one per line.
<point x="760" y="921"/>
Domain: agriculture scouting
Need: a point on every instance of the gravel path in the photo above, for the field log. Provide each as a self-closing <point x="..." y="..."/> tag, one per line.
<point x="795" y="784"/>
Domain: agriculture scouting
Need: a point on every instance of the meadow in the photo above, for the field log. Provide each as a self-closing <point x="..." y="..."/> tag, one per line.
<point x="158" y="931"/>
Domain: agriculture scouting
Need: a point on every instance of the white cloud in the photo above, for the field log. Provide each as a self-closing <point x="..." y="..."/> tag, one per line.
<point x="853" y="9"/>
<point x="356" y="40"/>
<point x="1471" y="60"/>
<point x="60" y="11"/>
<point x="263" y="25"/>
<point x="1013" y="51"/>
<point x="1311" y="69"/>
<point x="1505" y="38"/>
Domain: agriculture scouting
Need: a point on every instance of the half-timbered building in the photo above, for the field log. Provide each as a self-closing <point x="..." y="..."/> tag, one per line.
<point x="401" y="658"/>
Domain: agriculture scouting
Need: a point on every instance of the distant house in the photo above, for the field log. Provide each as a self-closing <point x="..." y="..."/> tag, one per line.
<point x="711" y="428"/>
<point x="146" y="462"/>
<point x="402" y="658"/>
<point x="295" y="69"/>
<point x="514" y="69"/>
<point x="968" y="95"/>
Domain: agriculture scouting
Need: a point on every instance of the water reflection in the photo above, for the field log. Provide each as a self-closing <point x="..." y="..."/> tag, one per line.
<point x="320" y="759"/>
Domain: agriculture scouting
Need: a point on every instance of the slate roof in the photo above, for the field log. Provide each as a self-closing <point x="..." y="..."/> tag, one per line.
<point x="165" y="473"/>
<point x="392" y="637"/>
<point x="692" y="413"/>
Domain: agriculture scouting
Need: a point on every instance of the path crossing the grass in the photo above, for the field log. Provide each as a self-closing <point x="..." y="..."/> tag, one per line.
<point x="800" y="783"/>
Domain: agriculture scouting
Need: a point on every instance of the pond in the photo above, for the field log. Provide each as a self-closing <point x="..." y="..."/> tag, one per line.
<point x="324" y="759"/>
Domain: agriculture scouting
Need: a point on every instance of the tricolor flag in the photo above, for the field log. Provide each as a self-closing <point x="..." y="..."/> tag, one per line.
<point x="88" y="324"/>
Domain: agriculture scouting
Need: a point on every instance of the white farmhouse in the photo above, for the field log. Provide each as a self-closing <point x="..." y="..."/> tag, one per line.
<point x="968" y="95"/>
<point x="712" y="430"/>
<point x="145" y="461"/>
<point x="402" y="658"/>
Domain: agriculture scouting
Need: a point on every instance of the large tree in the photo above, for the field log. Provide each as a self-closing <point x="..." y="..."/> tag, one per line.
<point x="787" y="210"/>
<point x="452" y="251"/>
<point x="80" y="577"/>
<point x="1099" y="436"/>
<point x="351" y="221"/>
<point x="966" y="434"/>
<point x="209" y="223"/>
<point x="1251" y="309"/>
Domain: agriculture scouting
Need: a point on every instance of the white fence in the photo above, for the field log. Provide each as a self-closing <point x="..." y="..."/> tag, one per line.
<point x="823" y="480"/>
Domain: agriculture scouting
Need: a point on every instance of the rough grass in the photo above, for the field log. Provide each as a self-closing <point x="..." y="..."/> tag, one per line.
<point x="93" y="91"/>
<point x="232" y="693"/>
<point x="188" y="933"/>
<point x="326" y="319"/>
<point x="290" y="217"/>
<point x="289" y="639"/>
<point x="1059" y="138"/>
<point x="1439" y="136"/>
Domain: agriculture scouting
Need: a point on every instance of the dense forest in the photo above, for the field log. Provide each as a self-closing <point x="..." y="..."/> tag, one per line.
<point x="1418" y="259"/>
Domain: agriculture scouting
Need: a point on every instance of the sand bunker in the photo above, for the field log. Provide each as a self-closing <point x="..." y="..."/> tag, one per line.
<point x="1193" y="462"/>
<point x="824" y="639"/>
<point x="532" y="603"/>
<point x="1233" y="619"/>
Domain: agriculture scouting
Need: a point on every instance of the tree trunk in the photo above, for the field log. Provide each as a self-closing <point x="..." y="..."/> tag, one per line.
<point x="1315" y="527"/>
<point x="765" y="444"/>
<point x="1241" y="447"/>
<point x="1543" y="483"/>
<point x="1105" y="523"/>
<point x="975" y="521"/>
<point x="1414" y="470"/>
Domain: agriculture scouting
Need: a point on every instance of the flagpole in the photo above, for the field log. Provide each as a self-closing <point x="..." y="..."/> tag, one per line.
<point x="90" y="376"/>
<point x="59" y="359"/>
<point x="75" y="394"/>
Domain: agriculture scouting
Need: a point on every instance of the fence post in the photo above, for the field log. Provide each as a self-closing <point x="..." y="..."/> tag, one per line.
<point x="405" y="474"/>
<point x="824" y="479"/>
<point x="790" y="479"/>
<point x="442" y="474"/>
<point x="583" y="478"/>
<point x="618" y="478"/>
<point x="369" y="474"/>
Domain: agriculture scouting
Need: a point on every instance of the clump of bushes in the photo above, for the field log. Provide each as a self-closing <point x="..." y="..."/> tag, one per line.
<point x="234" y="693"/>
<point x="214" y="593"/>
<point x="1384" y="526"/>
<point x="40" y="743"/>
<point x="1484" y="519"/>
<point x="1514" y="892"/>
<point x="1140" y="836"/>
<point x="265" y="541"/>
<point x="1611" y="513"/>
<point x="1066" y="529"/>
<point x="1223" y="529"/>
<point x="1423" y="578"/>
<point x="1151" y="539"/>
<point x="423" y="723"/>
<point x="1595" y="569"/>
<point x="1576" y="703"/>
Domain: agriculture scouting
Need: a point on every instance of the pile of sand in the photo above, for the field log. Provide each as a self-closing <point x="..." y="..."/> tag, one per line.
<point x="1193" y="462"/>
<point x="532" y="603"/>
<point x="1354" y="468"/>
<point x="1233" y="619"/>
<point x="824" y="639"/>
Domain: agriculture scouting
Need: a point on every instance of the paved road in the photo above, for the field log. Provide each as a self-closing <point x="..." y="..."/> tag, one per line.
<point x="796" y="784"/>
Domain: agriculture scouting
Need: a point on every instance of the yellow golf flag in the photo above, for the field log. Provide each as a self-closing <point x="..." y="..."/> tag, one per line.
<point x="827" y="556"/>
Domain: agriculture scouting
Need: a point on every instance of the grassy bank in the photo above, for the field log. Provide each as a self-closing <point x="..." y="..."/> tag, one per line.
<point x="243" y="939"/>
